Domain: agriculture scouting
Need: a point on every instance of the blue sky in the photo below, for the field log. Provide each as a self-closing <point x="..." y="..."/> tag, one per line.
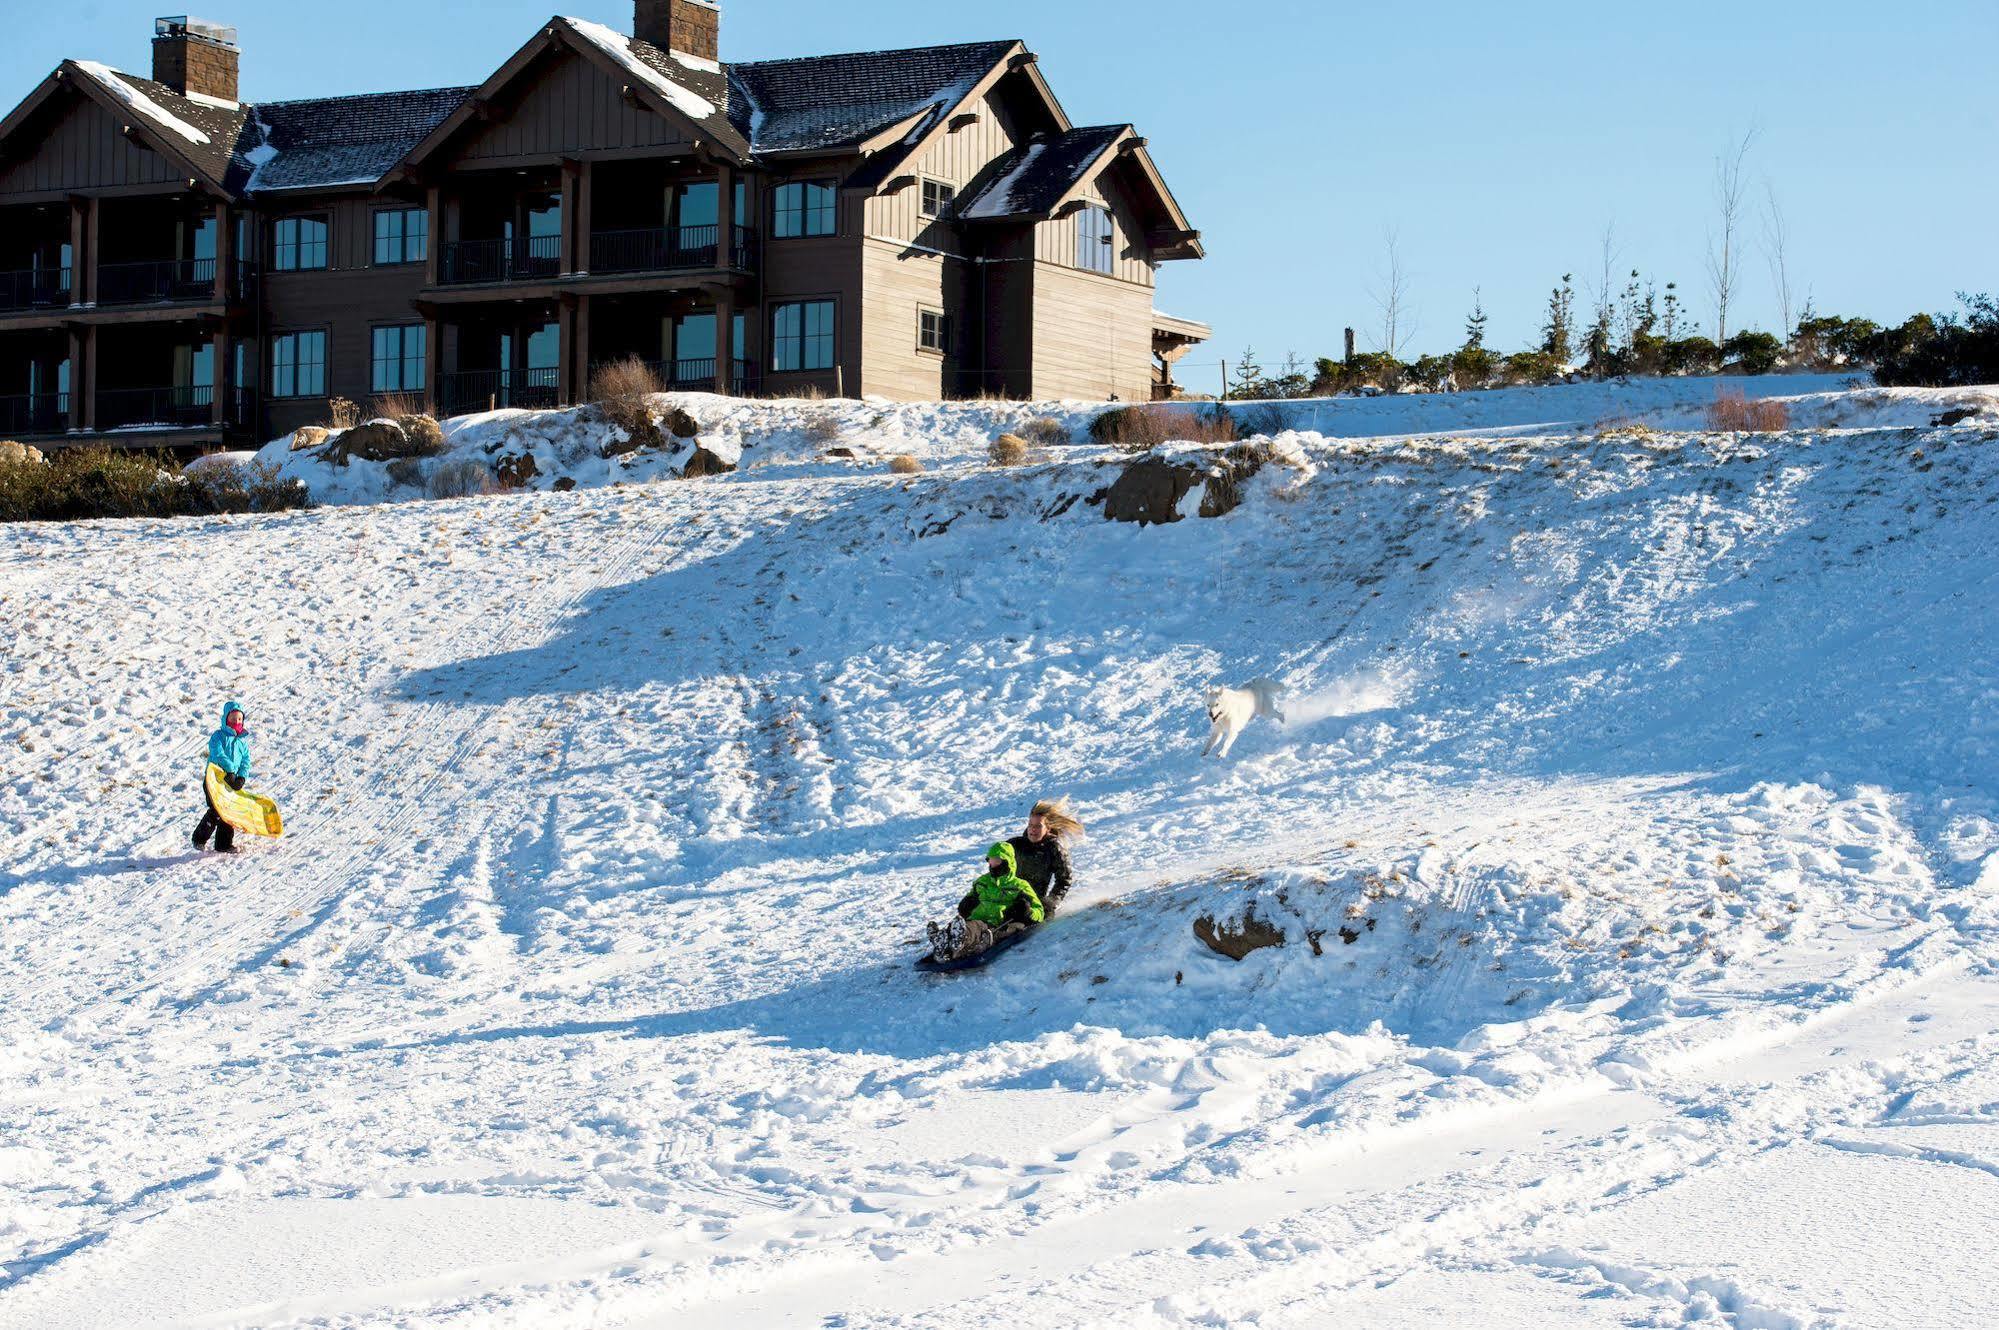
<point x="1497" y="142"/>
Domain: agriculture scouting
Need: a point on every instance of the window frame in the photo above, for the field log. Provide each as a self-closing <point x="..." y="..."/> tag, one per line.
<point x="292" y="335"/>
<point x="1106" y="240"/>
<point x="402" y="238"/>
<point x="296" y="247"/>
<point x="949" y="202"/>
<point x="805" y="337"/>
<point x="402" y="359"/>
<point x="942" y="346"/>
<point x="805" y="212"/>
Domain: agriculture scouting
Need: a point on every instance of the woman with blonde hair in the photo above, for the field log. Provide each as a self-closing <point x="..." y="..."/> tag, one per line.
<point x="1041" y="853"/>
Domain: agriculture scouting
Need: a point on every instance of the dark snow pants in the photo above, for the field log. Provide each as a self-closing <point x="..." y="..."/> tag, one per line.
<point x="211" y="824"/>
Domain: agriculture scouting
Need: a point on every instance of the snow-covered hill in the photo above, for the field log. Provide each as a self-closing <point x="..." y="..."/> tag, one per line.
<point x="1634" y="839"/>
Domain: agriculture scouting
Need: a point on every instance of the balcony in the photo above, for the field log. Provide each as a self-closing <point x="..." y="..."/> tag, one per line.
<point x="35" y="288"/>
<point x="42" y="413"/>
<point x="473" y="262"/>
<point x="162" y="281"/>
<point x="186" y="407"/>
<point x="495" y="389"/>
<point x="662" y="248"/>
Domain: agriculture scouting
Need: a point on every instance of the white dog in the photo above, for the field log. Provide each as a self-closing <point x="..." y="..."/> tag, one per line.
<point x="1232" y="709"/>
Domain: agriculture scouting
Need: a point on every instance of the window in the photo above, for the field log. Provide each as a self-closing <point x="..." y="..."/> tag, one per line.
<point x="298" y="365"/>
<point x="805" y="209"/>
<point x="298" y="244"/>
<point x="938" y="198"/>
<point x="933" y="331"/>
<point x="402" y="235"/>
<point x="1093" y="240"/>
<point x="398" y="363"/>
<point x="802" y="336"/>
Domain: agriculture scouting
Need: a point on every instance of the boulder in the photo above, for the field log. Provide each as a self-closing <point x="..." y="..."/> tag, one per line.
<point x="706" y="463"/>
<point x="309" y="436"/>
<point x="564" y="484"/>
<point x="376" y="441"/>
<point x="1150" y="491"/>
<point x="680" y="424"/>
<point x="516" y="472"/>
<point x="1955" y="416"/>
<point x="1237" y="939"/>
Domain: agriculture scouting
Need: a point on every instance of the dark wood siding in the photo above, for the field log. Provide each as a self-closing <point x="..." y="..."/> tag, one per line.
<point x="83" y="147"/>
<point x="569" y="105"/>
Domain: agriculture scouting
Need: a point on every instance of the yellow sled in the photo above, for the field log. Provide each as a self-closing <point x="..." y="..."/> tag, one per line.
<point x="251" y="814"/>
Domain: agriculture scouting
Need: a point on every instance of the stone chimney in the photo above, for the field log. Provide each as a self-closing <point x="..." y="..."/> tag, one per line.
<point x="196" y="58"/>
<point x="691" y="27"/>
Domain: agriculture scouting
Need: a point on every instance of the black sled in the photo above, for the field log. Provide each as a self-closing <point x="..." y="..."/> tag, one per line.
<point x="931" y="965"/>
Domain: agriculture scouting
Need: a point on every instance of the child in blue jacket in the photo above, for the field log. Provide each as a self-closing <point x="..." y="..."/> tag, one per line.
<point x="229" y="749"/>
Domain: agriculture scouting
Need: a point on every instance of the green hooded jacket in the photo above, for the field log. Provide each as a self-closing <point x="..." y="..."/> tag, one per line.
<point x="996" y="900"/>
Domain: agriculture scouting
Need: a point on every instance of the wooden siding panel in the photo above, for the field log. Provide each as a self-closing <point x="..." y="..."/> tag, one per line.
<point x="962" y="159"/>
<point x="1055" y="241"/>
<point x="1092" y="336"/>
<point x="896" y="283"/>
<point x="83" y="147"/>
<point x="569" y="105"/>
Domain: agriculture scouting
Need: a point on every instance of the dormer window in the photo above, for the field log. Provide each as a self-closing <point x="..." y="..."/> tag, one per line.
<point x="939" y="198"/>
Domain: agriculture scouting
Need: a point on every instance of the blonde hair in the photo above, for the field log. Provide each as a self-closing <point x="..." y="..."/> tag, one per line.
<point x="1061" y="821"/>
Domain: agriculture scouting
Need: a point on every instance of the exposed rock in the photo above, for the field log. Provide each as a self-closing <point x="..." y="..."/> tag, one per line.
<point x="516" y="472"/>
<point x="1956" y="416"/>
<point x="376" y="441"/>
<point x="844" y="454"/>
<point x="564" y="484"/>
<point x="1224" y="491"/>
<point x="621" y="447"/>
<point x="680" y="424"/>
<point x="1150" y="491"/>
<point x="1237" y="939"/>
<point x="309" y="436"/>
<point x="706" y="463"/>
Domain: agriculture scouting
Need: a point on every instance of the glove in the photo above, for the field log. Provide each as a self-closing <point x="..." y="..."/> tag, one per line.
<point x="234" y="782"/>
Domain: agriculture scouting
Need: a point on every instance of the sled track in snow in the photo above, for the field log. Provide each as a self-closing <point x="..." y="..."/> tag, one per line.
<point x="438" y="728"/>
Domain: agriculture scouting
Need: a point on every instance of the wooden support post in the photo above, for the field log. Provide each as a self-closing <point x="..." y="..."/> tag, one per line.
<point x="225" y="253"/>
<point x="585" y="189"/>
<point x="566" y="380"/>
<point x="79" y="215"/>
<point x="93" y="226"/>
<point x="572" y="174"/>
<point x="583" y="348"/>
<point x="85" y="384"/>
<point x="725" y="216"/>
<point x="222" y="378"/>
<point x="433" y="363"/>
<point x="725" y="342"/>
<point x="76" y="384"/>
<point x="434" y="244"/>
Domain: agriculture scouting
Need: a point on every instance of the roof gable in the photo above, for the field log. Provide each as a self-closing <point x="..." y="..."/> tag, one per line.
<point x="198" y="137"/>
<point x="834" y="103"/>
<point x="1048" y="172"/>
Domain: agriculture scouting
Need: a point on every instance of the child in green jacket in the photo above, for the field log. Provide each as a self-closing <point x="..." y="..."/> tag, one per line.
<point x="1000" y="904"/>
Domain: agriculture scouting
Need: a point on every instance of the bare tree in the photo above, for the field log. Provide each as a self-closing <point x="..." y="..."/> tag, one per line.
<point x="1724" y="257"/>
<point x="1777" y="248"/>
<point x="1391" y="297"/>
<point x="1602" y="294"/>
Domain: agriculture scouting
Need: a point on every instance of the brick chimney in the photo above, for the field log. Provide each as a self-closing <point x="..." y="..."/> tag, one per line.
<point x="691" y="27"/>
<point x="196" y="58"/>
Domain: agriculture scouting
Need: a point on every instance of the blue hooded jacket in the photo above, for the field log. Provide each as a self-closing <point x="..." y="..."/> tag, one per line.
<point x="229" y="750"/>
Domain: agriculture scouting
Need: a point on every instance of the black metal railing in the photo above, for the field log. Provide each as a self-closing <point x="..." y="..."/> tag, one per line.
<point x="690" y="375"/>
<point x="34" y="288"/>
<point x="527" y="259"/>
<point x="155" y="281"/>
<point x="467" y="391"/>
<point x="185" y="407"/>
<point x="39" y="413"/>
<point x="661" y="248"/>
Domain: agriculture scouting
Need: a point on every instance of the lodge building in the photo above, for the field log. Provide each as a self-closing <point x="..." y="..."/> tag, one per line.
<point x="181" y="269"/>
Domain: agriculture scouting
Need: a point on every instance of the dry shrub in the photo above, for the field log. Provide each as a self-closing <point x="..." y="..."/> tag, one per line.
<point x="904" y="465"/>
<point x="1045" y="432"/>
<point x="12" y="453"/>
<point x="341" y="413"/>
<point x="461" y="478"/>
<point x="624" y="391"/>
<point x="1138" y="429"/>
<point x="425" y="435"/>
<point x="1008" y="450"/>
<point x="81" y="484"/>
<point x="407" y="472"/>
<point x="823" y="429"/>
<point x="1731" y="411"/>
<point x="395" y="406"/>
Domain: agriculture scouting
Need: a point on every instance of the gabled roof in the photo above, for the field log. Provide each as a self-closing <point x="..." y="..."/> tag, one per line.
<point x="1049" y="171"/>
<point x="333" y="141"/>
<point x="834" y="102"/>
<point x="694" y="91"/>
<point x="1037" y="177"/>
<point x="198" y="135"/>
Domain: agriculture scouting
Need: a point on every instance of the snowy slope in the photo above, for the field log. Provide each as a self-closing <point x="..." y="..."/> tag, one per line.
<point x="1635" y="836"/>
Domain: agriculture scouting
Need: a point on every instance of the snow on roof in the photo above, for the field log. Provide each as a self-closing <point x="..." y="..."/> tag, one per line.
<point x="998" y="200"/>
<point x="619" y="48"/>
<point x="115" y="84"/>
